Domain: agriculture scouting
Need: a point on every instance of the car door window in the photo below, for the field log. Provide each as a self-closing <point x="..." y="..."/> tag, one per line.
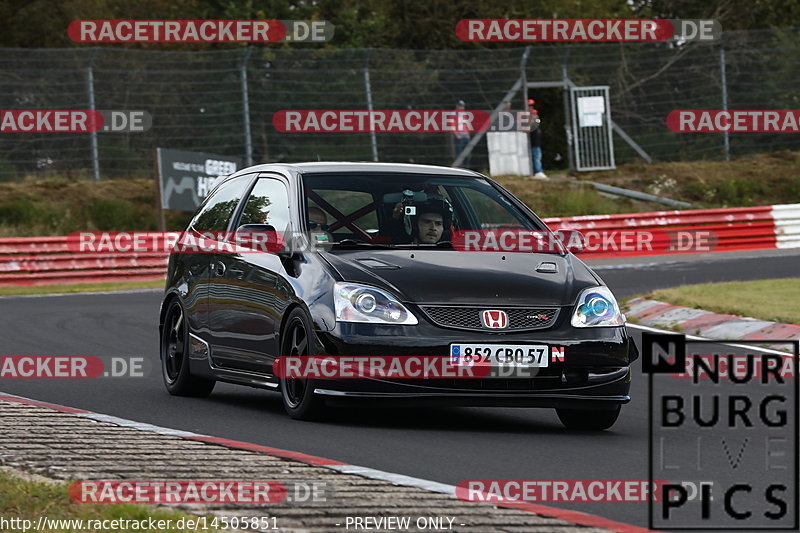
<point x="268" y="203"/>
<point x="218" y="209"/>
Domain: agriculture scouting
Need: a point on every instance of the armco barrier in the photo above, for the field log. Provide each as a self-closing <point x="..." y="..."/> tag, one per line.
<point x="787" y="225"/>
<point x="741" y="228"/>
<point x="47" y="260"/>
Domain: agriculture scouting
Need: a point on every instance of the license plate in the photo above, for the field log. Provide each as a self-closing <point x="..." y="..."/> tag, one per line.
<point x="507" y="355"/>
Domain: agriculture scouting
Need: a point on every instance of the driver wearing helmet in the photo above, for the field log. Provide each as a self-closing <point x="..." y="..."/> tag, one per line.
<point x="429" y="223"/>
<point x="433" y="218"/>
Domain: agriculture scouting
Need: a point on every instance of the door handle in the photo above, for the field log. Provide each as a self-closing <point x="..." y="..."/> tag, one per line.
<point x="238" y="274"/>
<point x="218" y="268"/>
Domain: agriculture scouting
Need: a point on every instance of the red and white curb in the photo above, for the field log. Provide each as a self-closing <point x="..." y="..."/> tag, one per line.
<point x="575" y="517"/>
<point x="707" y="324"/>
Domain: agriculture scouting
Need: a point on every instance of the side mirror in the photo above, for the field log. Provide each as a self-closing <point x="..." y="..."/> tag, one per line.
<point x="572" y="240"/>
<point x="259" y="238"/>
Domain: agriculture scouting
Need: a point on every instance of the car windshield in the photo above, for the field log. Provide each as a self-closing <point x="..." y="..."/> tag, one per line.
<point x="397" y="209"/>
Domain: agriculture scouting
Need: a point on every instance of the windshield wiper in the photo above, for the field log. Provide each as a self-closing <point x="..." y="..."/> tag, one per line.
<point x="418" y="245"/>
<point x="355" y="243"/>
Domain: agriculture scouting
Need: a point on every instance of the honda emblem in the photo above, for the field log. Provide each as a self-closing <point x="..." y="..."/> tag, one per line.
<point x="495" y="319"/>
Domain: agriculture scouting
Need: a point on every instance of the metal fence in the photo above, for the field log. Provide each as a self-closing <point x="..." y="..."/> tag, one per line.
<point x="223" y="101"/>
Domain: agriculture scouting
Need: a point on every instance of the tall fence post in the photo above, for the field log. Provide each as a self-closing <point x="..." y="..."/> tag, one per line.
<point x="566" y="96"/>
<point x="368" y="89"/>
<point x="93" y="133"/>
<point x="724" y="82"/>
<point x="523" y="63"/>
<point x="248" y="140"/>
<point x="523" y="75"/>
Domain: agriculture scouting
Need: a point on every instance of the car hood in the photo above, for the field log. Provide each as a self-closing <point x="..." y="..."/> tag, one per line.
<point x="453" y="277"/>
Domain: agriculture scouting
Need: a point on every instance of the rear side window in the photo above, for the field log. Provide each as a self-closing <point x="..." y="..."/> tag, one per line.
<point x="267" y="204"/>
<point x="217" y="212"/>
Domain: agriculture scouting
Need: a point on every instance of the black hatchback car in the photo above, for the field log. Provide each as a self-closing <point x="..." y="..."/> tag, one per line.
<point x="368" y="267"/>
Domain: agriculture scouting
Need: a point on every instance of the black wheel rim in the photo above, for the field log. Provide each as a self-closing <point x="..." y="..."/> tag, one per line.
<point x="296" y="345"/>
<point x="174" y="345"/>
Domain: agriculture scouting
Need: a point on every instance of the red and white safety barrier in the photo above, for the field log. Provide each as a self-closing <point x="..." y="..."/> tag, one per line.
<point x="740" y="228"/>
<point x="787" y="225"/>
<point x="48" y="260"/>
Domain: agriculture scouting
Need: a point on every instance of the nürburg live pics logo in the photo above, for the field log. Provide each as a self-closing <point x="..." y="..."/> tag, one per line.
<point x="725" y="440"/>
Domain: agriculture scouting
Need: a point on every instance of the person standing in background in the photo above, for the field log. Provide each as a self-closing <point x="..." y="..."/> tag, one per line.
<point x="536" y="141"/>
<point x="461" y="138"/>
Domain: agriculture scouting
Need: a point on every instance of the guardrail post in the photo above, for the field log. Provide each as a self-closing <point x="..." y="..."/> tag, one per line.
<point x="248" y="140"/>
<point x="724" y="83"/>
<point x="93" y="134"/>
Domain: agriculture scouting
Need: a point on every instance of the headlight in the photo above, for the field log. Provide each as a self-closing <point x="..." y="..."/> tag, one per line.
<point x="597" y="307"/>
<point x="362" y="303"/>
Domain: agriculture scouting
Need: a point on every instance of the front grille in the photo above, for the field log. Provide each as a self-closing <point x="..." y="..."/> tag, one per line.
<point x="519" y="318"/>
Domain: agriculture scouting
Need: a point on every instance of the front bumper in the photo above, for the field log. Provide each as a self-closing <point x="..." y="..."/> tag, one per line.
<point x="595" y="372"/>
<point x="484" y="399"/>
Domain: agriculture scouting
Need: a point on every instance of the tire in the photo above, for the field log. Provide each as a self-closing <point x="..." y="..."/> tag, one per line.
<point x="588" y="420"/>
<point x="175" y="359"/>
<point x="298" y="396"/>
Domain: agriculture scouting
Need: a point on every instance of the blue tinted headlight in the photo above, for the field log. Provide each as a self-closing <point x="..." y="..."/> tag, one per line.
<point x="597" y="307"/>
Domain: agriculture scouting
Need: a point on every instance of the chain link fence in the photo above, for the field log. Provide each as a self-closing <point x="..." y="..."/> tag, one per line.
<point x="223" y="101"/>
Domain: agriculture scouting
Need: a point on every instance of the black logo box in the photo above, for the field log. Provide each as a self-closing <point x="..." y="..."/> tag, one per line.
<point x="676" y="344"/>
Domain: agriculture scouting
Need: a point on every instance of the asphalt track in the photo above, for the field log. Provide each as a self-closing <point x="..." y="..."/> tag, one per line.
<point x="447" y="445"/>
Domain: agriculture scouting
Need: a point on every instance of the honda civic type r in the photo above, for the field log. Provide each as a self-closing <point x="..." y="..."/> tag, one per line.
<point x="365" y="263"/>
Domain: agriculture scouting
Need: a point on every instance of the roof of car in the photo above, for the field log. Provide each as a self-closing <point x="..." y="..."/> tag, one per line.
<point x="330" y="166"/>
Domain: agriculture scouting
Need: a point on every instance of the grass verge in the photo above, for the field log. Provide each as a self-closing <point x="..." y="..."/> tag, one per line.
<point x="59" y="206"/>
<point x="30" y="500"/>
<point x="554" y="199"/>
<point x="56" y="206"/>
<point x="762" y="179"/>
<point x="773" y="299"/>
<point x="80" y="287"/>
